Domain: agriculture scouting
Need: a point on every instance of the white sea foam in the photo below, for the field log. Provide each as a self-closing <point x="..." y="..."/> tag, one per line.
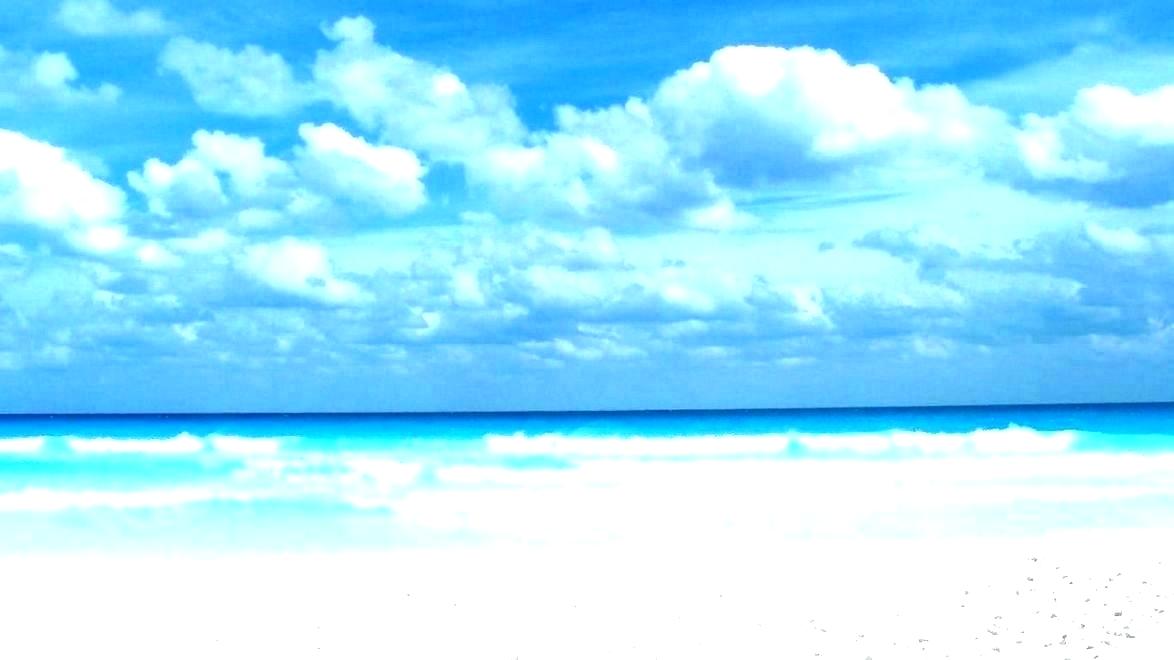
<point x="237" y="445"/>
<point x="754" y="500"/>
<point x="184" y="443"/>
<point x="555" y="444"/>
<point x="1010" y="440"/>
<point x="384" y="471"/>
<point x="740" y="486"/>
<point x="43" y="500"/>
<point x="23" y="445"/>
<point x="359" y="480"/>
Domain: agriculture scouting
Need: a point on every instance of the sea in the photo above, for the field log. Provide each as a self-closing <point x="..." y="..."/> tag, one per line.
<point x="326" y="482"/>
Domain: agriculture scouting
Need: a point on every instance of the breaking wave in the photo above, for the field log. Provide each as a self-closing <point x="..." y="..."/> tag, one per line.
<point x="25" y="445"/>
<point x="176" y="445"/>
<point x="895" y="443"/>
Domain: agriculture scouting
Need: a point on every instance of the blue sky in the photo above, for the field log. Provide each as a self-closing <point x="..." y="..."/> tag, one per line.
<point x="516" y="205"/>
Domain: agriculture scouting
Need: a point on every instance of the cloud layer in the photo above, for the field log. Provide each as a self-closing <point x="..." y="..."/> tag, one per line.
<point x="778" y="208"/>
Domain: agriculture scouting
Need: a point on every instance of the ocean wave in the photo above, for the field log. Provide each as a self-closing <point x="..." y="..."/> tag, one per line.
<point x="209" y="468"/>
<point x="23" y="445"/>
<point x="363" y="483"/>
<point x="44" y="500"/>
<point x="183" y="443"/>
<point x="555" y="444"/>
<point x="628" y="493"/>
<point x="897" y="442"/>
<point x="238" y="445"/>
<point x="1009" y="440"/>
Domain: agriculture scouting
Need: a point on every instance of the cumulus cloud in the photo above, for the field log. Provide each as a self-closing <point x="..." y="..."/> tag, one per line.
<point x="73" y="310"/>
<point x="583" y="348"/>
<point x="756" y="115"/>
<point x="193" y="186"/>
<point x="333" y="179"/>
<point x="1121" y="114"/>
<point x="557" y="297"/>
<point x="99" y="18"/>
<point x="42" y="188"/>
<point x="251" y="82"/>
<point x="299" y="268"/>
<point x="1047" y="86"/>
<point x="353" y="168"/>
<point x="551" y="263"/>
<point x="746" y="122"/>
<point x="1111" y="146"/>
<point x="609" y="166"/>
<point x="409" y="102"/>
<point x="47" y="77"/>
<point x="1082" y="282"/>
<point x="746" y="118"/>
<point x="932" y="254"/>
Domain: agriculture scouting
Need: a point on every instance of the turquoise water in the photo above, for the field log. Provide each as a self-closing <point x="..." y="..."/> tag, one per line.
<point x="305" y="482"/>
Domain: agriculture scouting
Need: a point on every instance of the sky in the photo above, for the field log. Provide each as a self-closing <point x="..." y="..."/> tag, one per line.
<point x="473" y="205"/>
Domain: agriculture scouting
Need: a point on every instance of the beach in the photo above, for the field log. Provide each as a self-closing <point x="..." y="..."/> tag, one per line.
<point x="1032" y="534"/>
<point x="1090" y="594"/>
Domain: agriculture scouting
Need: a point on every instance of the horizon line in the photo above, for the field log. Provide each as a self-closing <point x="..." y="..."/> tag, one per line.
<point x="587" y="411"/>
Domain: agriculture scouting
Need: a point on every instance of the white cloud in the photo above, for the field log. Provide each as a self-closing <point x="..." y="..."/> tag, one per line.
<point x="747" y="117"/>
<point x="412" y="103"/>
<point x="299" y="268"/>
<point x="1047" y="86"/>
<point x="43" y="185"/>
<point x="99" y="18"/>
<point x="154" y="255"/>
<point x="749" y="122"/>
<point x="706" y="150"/>
<point x="1111" y="146"/>
<point x="193" y="186"/>
<point x="242" y="159"/>
<point x="1043" y="152"/>
<point x="46" y="77"/>
<point x="1090" y="278"/>
<point x="356" y="29"/>
<point x="559" y="296"/>
<point x="1120" y="240"/>
<point x="101" y="239"/>
<point x="594" y="247"/>
<point x="760" y="114"/>
<point x="610" y="166"/>
<point x="589" y="349"/>
<point x="251" y="82"/>
<point x="1118" y="113"/>
<point x="351" y="167"/>
<point x="333" y="178"/>
<point x="408" y="102"/>
<point x="40" y="186"/>
<point x="209" y="241"/>
<point x="190" y="187"/>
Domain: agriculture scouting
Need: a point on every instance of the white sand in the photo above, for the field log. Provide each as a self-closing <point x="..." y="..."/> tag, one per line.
<point x="1093" y="595"/>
